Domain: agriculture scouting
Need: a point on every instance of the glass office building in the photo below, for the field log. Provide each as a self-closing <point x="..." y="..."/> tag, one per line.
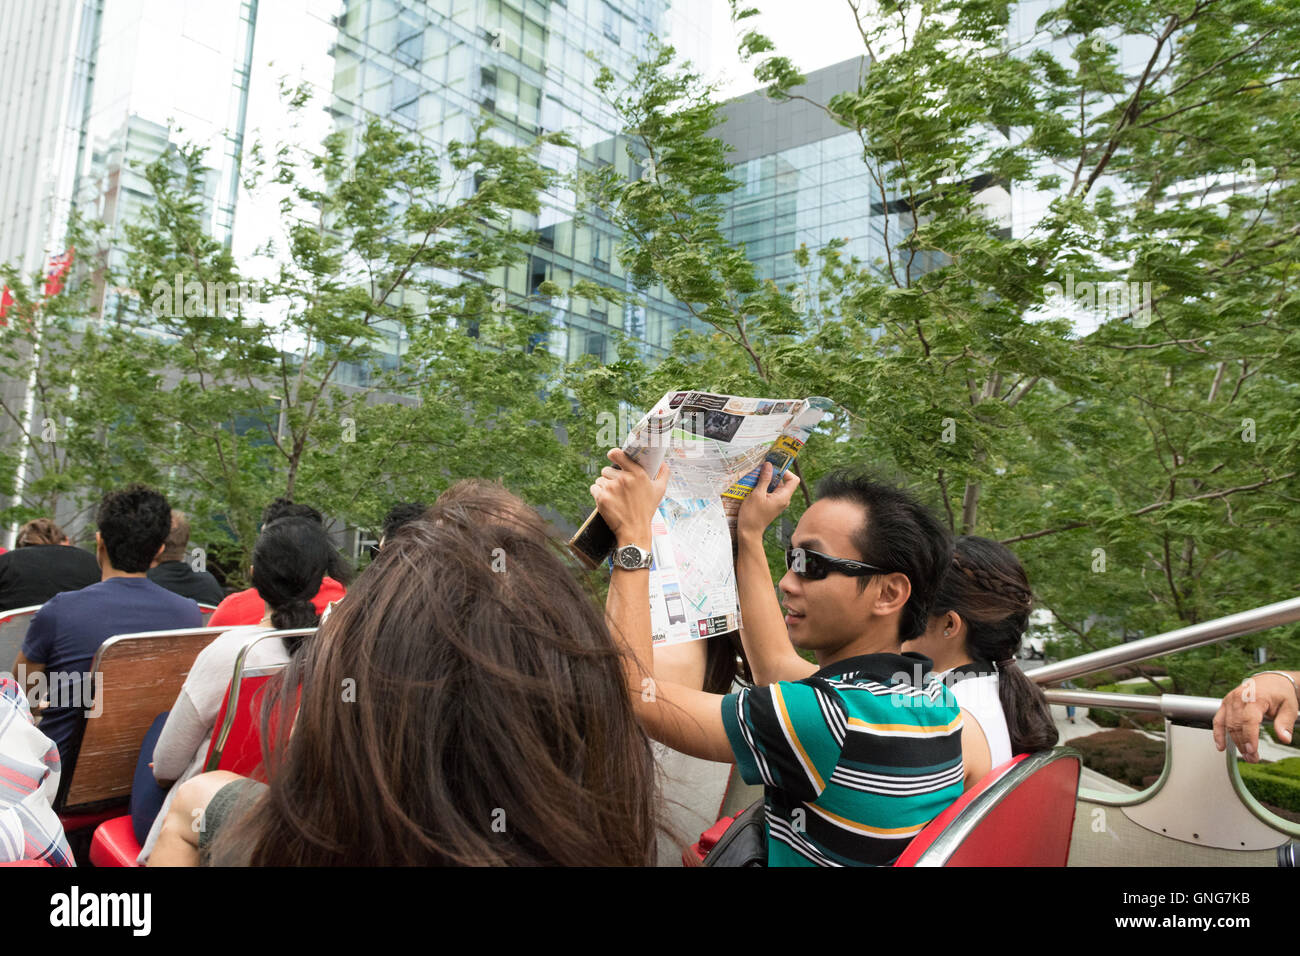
<point x="441" y="66"/>
<point x="142" y="77"/>
<point x="802" y="182"/>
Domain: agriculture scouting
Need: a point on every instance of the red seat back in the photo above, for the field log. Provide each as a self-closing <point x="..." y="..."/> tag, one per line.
<point x="1020" y="814"/>
<point x="237" y="737"/>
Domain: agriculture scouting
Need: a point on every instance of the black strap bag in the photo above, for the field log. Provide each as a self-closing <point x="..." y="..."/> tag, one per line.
<point x="744" y="843"/>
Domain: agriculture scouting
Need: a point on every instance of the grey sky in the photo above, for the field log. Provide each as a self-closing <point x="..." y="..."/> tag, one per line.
<point x="812" y="33"/>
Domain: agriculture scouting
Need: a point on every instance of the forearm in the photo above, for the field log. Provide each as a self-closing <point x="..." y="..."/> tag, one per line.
<point x="684" y="718"/>
<point x="181" y="737"/>
<point x="771" y="656"/>
<point x="685" y="663"/>
<point x="627" y="614"/>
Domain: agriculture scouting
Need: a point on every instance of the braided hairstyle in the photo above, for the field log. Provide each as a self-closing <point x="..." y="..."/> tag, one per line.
<point x="988" y="589"/>
<point x="289" y="560"/>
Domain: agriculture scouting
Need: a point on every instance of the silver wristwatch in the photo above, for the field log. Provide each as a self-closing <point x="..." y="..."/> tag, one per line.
<point x="631" y="558"/>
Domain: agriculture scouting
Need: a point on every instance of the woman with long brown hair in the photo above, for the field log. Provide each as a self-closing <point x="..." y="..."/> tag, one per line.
<point x="464" y="705"/>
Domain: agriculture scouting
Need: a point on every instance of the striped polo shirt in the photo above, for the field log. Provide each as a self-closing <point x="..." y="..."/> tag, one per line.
<point x="854" y="761"/>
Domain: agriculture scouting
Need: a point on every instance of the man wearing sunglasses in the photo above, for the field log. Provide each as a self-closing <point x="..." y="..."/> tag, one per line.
<point x="856" y="755"/>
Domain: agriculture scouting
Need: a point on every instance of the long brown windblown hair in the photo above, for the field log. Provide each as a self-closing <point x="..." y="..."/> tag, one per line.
<point x="464" y="705"/>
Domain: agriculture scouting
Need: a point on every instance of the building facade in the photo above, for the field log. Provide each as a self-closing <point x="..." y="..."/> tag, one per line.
<point x="102" y="88"/>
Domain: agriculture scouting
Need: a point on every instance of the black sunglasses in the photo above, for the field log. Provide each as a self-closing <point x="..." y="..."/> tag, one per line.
<point x="813" y="565"/>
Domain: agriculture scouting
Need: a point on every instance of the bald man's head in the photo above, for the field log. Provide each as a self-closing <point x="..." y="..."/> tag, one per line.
<point x="174" y="549"/>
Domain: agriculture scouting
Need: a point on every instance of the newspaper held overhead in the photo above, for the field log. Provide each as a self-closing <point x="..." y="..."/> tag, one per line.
<point x="715" y="446"/>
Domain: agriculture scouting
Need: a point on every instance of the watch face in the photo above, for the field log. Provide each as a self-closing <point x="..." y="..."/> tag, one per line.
<point x="631" y="557"/>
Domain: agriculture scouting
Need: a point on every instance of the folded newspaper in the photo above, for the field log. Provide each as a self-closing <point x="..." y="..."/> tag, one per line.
<point x="715" y="446"/>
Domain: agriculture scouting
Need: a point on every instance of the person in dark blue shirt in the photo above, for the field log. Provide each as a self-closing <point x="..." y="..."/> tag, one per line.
<point x="64" y="635"/>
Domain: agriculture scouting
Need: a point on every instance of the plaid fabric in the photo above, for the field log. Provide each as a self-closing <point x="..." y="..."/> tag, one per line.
<point x="29" y="780"/>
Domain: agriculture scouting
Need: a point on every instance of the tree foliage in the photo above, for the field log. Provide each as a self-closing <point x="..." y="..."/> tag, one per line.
<point x="1140" y="457"/>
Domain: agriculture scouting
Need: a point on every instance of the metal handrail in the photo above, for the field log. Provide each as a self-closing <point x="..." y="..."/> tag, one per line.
<point x="1195" y="635"/>
<point x="1174" y="706"/>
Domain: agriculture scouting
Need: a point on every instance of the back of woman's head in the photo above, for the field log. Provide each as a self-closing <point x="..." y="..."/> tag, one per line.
<point x="988" y="588"/>
<point x="464" y="705"/>
<point x="475" y="499"/>
<point x="290" y="558"/>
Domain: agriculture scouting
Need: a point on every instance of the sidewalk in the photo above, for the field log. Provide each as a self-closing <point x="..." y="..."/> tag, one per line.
<point x="1082" y="726"/>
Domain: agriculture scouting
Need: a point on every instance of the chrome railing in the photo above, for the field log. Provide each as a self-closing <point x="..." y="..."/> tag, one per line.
<point x="1174" y="706"/>
<point x="1195" y="635"/>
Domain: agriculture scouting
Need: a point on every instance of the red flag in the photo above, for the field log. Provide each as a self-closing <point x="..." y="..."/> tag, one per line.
<point x="59" y="266"/>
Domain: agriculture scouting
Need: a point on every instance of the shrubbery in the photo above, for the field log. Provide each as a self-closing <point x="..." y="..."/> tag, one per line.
<point x="1123" y="755"/>
<point x="1276" y="783"/>
<point x="1113" y="718"/>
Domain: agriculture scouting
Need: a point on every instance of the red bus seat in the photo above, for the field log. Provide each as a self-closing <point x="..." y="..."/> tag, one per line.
<point x="237" y="738"/>
<point x="1020" y="814"/>
<point x="236" y="746"/>
<point x="114" y="843"/>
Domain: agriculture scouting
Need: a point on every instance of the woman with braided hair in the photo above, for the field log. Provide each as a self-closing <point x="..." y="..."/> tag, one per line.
<point x="976" y="625"/>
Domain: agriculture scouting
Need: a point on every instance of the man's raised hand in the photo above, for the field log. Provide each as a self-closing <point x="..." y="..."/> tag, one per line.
<point x="627" y="497"/>
<point x="760" y="509"/>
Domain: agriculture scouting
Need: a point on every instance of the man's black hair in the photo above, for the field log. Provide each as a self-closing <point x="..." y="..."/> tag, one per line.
<point x="134" y="523"/>
<point x="285" y="508"/>
<point x="900" y="535"/>
<point x="339" y="569"/>
<point x="399" y="514"/>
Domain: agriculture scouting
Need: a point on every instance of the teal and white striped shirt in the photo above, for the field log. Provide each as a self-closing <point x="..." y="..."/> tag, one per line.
<point x="854" y="761"/>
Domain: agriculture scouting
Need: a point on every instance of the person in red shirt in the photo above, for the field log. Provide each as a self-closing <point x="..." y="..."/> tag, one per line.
<point x="247" y="607"/>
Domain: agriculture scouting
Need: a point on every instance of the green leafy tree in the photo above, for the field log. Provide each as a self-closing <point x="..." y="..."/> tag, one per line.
<point x="1142" y="457"/>
<point x="228" y="392"/>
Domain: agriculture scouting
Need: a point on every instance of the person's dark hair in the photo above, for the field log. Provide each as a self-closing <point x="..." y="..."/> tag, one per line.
<point x="289" y="560"/>
<point x="339" y="568"/>
<point x="39" y="531"/>
<point x="477" y="499"/>
<point x="399" y="514"/>
<point x="133" y="522"/>
<point x="988" y="588"/>
<point x="724" y="662"/>
<point x="490" y="723"/>
<point x="900" y="535"/>
<point x="288" y="508"/>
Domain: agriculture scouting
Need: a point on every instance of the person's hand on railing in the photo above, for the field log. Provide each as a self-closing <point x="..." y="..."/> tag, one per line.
<point x="1272" y="694"/>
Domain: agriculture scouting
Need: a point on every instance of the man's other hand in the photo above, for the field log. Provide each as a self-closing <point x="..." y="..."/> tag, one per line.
<point x="760" y="509"/>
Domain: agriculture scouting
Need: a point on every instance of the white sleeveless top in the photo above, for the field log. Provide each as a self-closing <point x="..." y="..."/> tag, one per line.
<point x="978" y="696"/>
